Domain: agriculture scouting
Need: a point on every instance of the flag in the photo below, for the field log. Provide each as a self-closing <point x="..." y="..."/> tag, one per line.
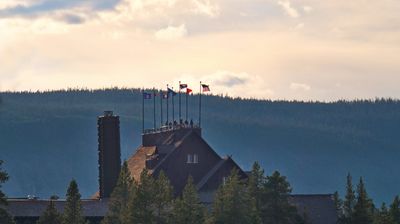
<point x="147" y="96"/>
<point x="188" y="90"/>
<point x="206" y="88"/>
<point x="172" y="92"/>
<point x="183" y="86"/>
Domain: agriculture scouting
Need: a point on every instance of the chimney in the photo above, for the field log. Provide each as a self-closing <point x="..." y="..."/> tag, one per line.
<point x="109" y="152"/>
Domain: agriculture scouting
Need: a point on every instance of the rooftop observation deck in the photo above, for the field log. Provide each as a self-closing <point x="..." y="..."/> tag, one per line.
<point x="159" y="136"/>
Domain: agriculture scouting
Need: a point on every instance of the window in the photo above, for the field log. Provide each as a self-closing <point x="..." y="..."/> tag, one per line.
<point x="224" y="179"/>
<point x="189" y="158"/>
<point x="195" y="158"/>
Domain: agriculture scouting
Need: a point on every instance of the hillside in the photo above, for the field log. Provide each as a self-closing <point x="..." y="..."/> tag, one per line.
<point x="48" y="138"/>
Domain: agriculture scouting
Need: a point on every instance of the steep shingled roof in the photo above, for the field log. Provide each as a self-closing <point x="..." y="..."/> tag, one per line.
<point x="137" y="162"/>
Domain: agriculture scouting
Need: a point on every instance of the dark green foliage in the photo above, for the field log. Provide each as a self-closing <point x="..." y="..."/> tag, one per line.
<point x="118" y="204"/>
<point x="187" y="209"/>
<point x="363" y="209"/>
<point x="256" y="182"/>
<point x="232" y="202"/>
<point x="141" y="203"/>
<point x="395" y="210"/>
<point x="5" y="218"/>
<point x="73" y="206"/>
<point x="338" y="203"/>
<point x="382" y="216"/>
<point x="349" y="202"/>
<point x="3" y="178"/>
<point x="163" y="200"/>
<point x="50" y="215"/>
<point x="275" y="206"/>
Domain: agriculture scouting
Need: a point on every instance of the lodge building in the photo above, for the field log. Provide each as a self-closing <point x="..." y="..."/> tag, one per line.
<point x="180" y="151"/>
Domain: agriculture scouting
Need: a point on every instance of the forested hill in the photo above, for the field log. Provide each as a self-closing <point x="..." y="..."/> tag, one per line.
<point x="46" y="139"/>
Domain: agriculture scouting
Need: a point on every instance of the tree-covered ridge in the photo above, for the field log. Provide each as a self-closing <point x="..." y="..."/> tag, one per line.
<point x="42" y="132"/>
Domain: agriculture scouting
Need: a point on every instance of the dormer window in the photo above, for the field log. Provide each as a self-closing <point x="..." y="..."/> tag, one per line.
<point x="189" y="158"/>
<point x="195" y="158"/>
<point x="192" y="158"/>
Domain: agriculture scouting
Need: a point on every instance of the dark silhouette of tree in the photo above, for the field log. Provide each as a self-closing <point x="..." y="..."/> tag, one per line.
<point x="232" y="203"/>
<point x="382" y="216"/>
<point x="73" y="206"/>
<point x="349" y="202"/>
<point x="118" y="202"/>
<point x="50" y="215"/>
<point x="141" y="203"/>
<point x="364" y="207"/>
<point x="4" y="216"/>
<point x="275" y="206"/>
<point x="395" y="210"/>
<point x="163" y="200"/>
<point x="187" y="208"/>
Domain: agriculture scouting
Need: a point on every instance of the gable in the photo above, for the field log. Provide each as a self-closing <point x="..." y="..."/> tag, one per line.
<point x="177" y="168"/>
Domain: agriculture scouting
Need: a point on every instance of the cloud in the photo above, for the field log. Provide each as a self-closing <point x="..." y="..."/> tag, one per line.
<point x="73" y="19"/>
<point x="230" y="83"/>
<point x="299" y="86"/>
<point x="205" y="7"/>
<point x="287" y="6"/>
<point x="171" y="32"/>
<point x="229" y="79"/>
<point x="307" y="9"/>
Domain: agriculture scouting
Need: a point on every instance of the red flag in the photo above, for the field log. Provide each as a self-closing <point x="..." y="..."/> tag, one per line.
<point x="188" y="90"/>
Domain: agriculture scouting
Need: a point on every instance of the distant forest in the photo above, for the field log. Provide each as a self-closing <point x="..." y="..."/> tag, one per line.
<point x="48" y="138"/>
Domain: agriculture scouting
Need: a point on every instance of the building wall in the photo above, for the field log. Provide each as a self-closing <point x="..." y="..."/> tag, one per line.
<point x="178" y="170"/>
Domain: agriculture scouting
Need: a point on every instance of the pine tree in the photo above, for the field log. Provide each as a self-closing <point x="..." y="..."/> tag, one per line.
<point x="395" y="210"/>
<point x="50" y="215"/>
<point x="5" y="218"/>
<point x="363" y="208"/>
<point x="163" y="198"/>
<point x="349" y="202"/>
<point x="188" y="208"/>
<point x="141" y="204"/>
<point x="118" y="203"/>
<point x="232" y="202"/>
<point x="276" y="207"/>
<point x="73" y="206"/>
<point x="256" y="182"/>
<point x="383" y="216"/>
<point x="338" y="203"/>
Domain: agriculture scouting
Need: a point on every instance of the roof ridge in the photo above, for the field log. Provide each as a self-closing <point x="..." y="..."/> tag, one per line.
<point x="204" y="180"/>
<point x="175" y="147"/>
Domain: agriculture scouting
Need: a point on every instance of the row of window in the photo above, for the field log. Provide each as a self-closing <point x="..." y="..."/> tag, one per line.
<point x="192" y="158"/>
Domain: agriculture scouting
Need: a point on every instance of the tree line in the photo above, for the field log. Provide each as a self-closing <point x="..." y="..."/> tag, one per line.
<point x="358" y="208"/>
<point x="260" y="199"/>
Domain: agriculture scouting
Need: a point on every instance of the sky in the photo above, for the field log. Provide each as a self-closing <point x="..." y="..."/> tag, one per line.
<point x="266" y="49"/>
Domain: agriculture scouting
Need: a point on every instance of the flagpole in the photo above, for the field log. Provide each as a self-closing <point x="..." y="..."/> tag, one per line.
<point x="173" y="107"/>
<point x="167" y="105"/>
<point x="161" y="107"/>
<point x="180" y="115"/>
<point x="154" y="107"/>
<point x="186" y="105"/>
<point x="143" y="111"/>
<point x="200" y="107"/>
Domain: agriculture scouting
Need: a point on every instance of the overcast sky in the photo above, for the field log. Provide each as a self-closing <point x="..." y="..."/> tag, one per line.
<point x="278" y="49"/>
